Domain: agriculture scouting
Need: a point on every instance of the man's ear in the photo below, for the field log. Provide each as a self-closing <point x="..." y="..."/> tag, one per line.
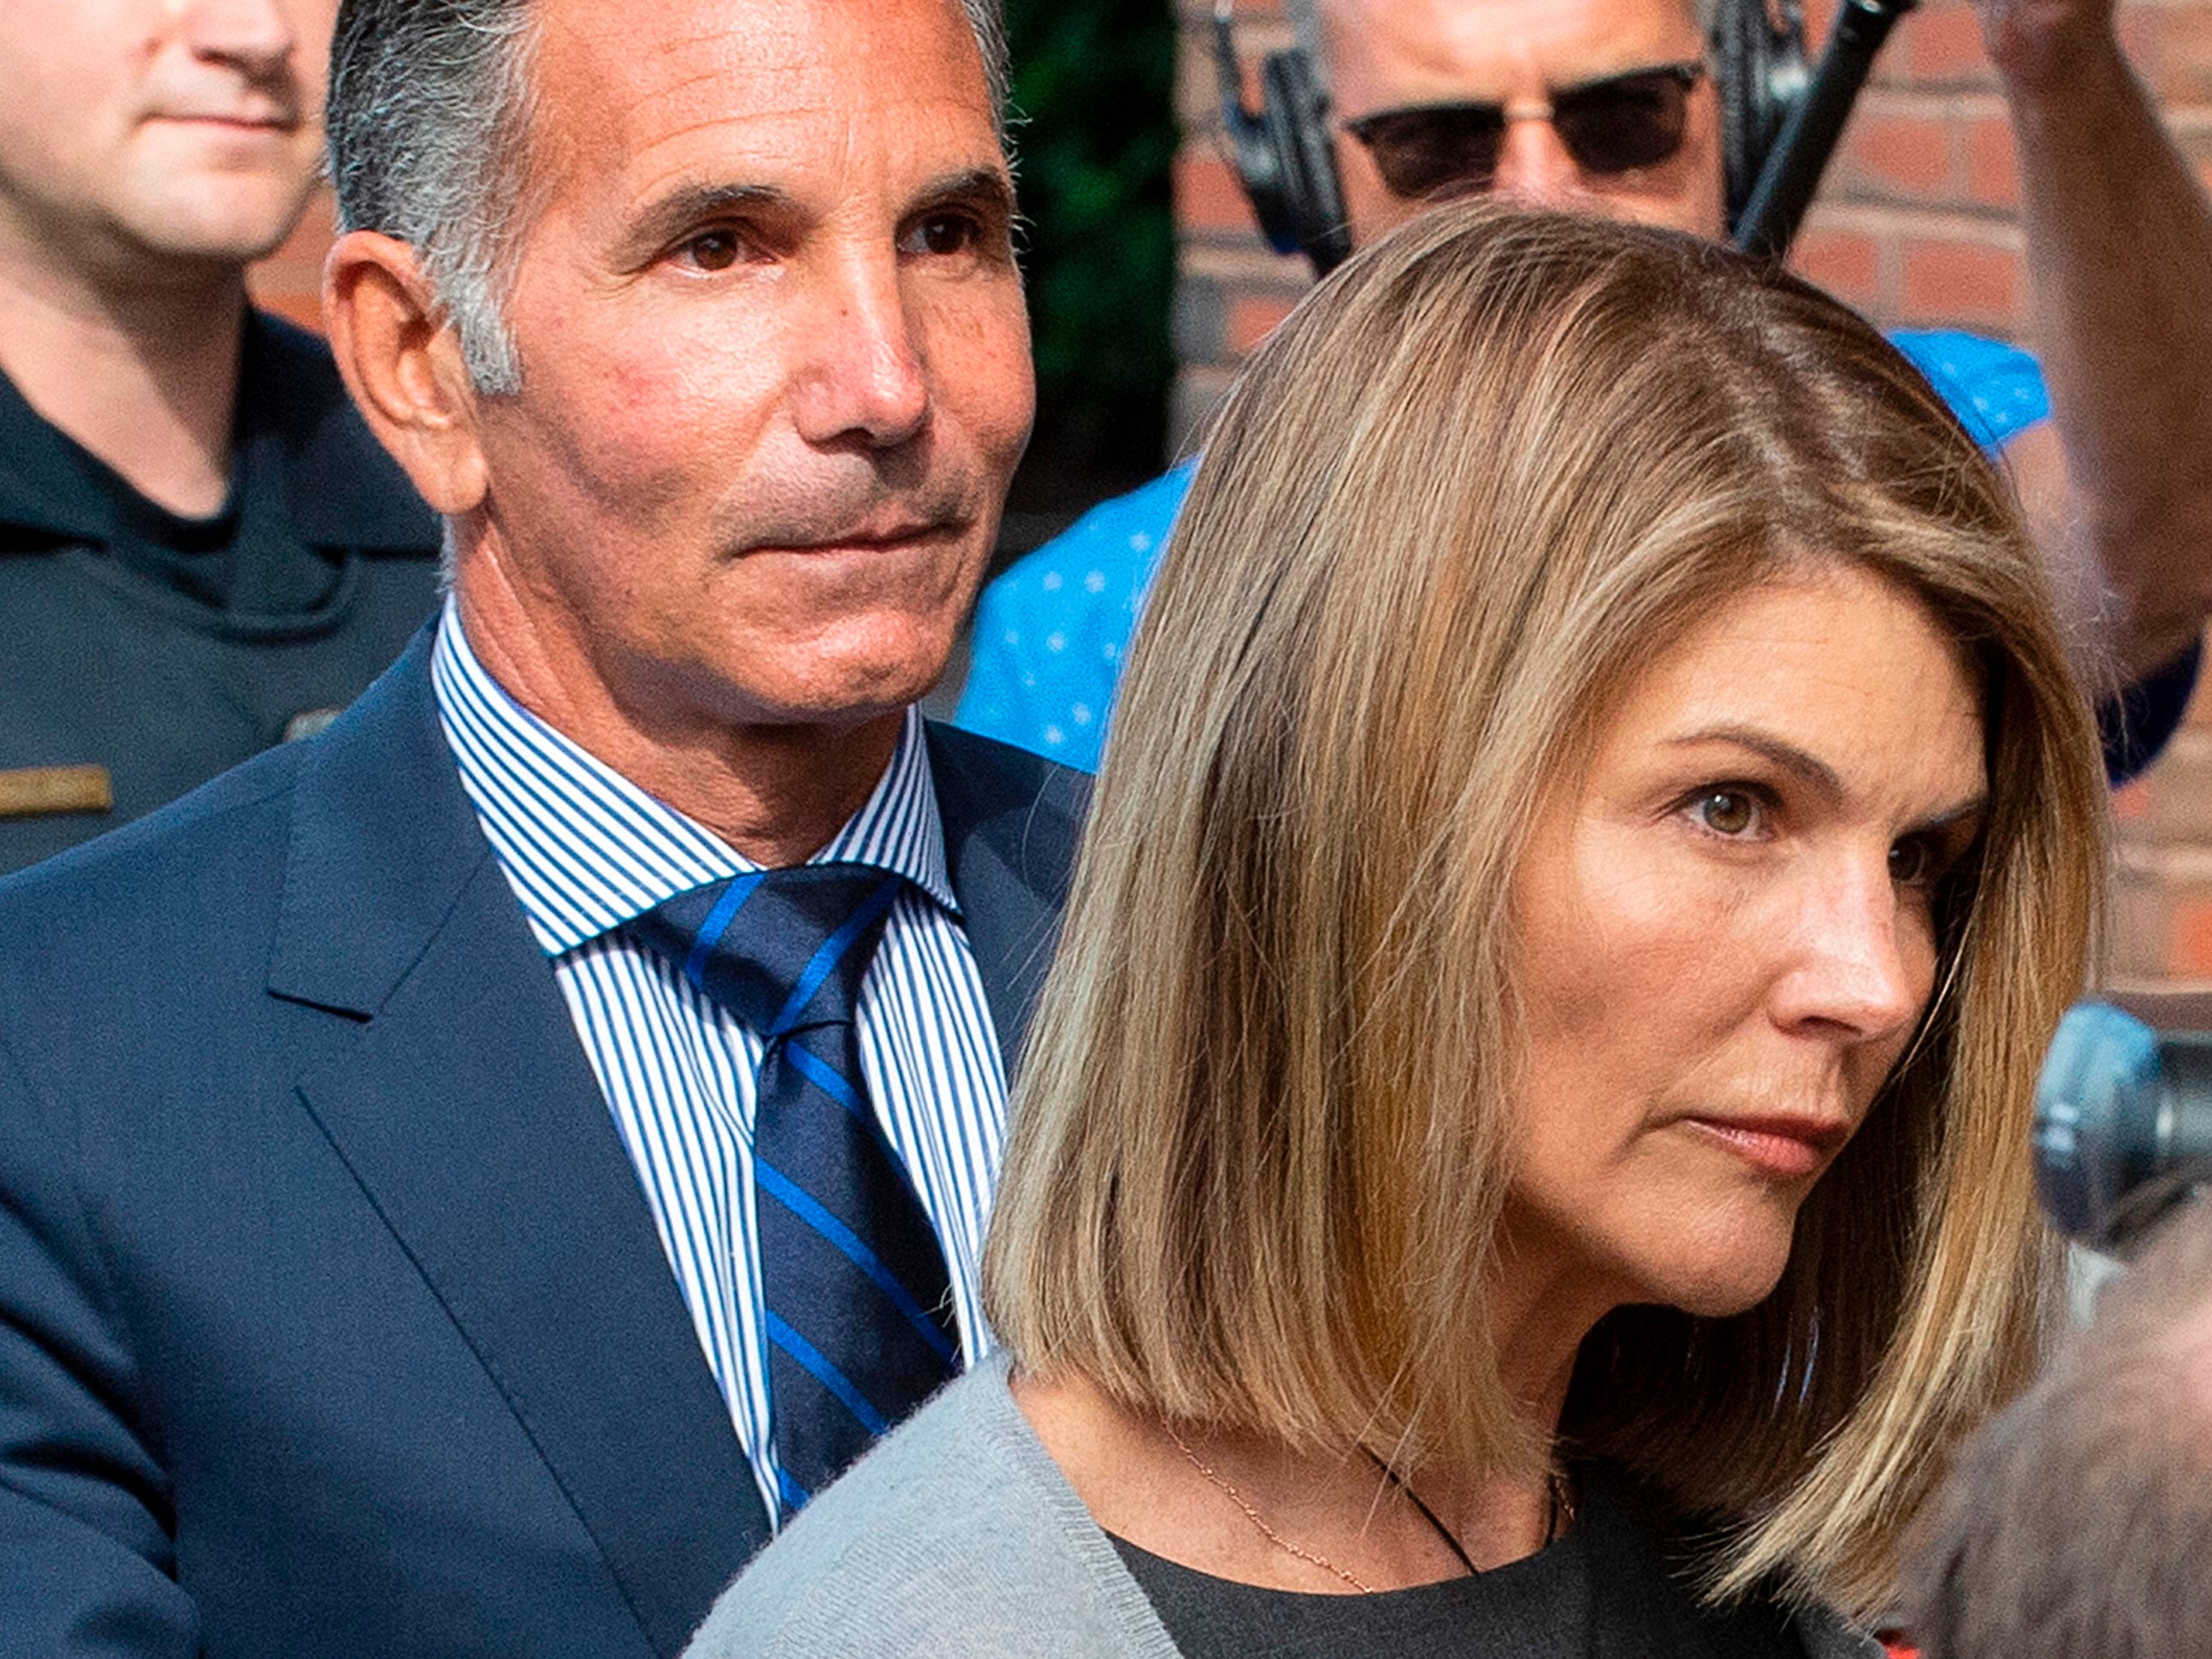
<point x="402" y="362"/>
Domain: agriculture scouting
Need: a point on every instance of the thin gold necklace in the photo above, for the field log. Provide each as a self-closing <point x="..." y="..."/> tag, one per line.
<point x="1559" y="1511"/>
<point x="1260" y="1522"/>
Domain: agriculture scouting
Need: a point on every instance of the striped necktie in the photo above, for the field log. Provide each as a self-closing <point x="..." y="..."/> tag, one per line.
<point x="858" y="1311"/>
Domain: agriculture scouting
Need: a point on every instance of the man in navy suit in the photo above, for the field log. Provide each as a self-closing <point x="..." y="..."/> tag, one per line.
<point x="444" y="1164"/>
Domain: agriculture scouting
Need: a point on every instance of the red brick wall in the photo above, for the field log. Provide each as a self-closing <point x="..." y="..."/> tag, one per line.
<point x="1916" y="225"/>
<point x="289" y="281"/>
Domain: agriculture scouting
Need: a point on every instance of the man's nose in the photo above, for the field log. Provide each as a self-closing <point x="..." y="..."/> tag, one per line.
<point x="1533" y="166"/>
<point x="1863" y="963"/>
<point x="256" y="34"/>
<point x="865" y="379"/>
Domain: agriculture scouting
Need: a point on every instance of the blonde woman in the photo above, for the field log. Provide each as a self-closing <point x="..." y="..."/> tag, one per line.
<point x="1524" y="1148"/>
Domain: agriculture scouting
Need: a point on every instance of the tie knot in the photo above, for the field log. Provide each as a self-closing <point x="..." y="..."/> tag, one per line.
<point x="782" y="950"/>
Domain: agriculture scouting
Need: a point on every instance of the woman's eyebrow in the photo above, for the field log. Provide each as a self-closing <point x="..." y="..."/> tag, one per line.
<point x="1816" y="773"/>
<point x="1812" y="770"/>
<point x="1937" y="822"/>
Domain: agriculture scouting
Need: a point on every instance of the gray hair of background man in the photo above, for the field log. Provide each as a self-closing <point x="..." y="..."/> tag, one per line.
<point x="428" y="124"/>
<point x="2078" y="1524"/>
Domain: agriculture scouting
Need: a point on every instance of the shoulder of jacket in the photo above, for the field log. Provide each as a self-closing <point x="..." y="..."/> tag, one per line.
<point x="948" y="1537"/>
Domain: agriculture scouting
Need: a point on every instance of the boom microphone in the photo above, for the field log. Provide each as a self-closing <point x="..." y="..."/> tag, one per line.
<point x="2123" y="1123"/>
<point x="1770" y="219"/>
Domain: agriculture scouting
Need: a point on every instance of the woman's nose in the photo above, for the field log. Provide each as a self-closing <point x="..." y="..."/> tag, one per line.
<point x="1863" y="963"/>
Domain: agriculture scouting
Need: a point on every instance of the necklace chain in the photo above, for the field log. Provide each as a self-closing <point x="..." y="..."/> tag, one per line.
<point x="1559" y="1511"/>
<point x="1260" y="1522"/>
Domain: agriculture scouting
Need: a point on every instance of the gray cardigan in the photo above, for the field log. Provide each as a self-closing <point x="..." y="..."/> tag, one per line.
<point x="959" y="1535"/>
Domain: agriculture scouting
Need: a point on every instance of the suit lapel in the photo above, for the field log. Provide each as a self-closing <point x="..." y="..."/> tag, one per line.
<point x="465" y="1108"/>
<point x="1011" y="824"/>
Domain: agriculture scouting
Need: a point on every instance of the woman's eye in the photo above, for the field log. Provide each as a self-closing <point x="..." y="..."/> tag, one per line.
<point x="1733" y="812"/>
<point x="712" y="250"/>
<point x="1912" y="862"/>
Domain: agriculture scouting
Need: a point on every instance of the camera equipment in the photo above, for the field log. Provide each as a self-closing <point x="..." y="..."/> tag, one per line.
<point x="2123" y="1123"/>
<point x="1285" y="152"/>
<point x="1760" y="63"/>
<point x="1814" y="121"/>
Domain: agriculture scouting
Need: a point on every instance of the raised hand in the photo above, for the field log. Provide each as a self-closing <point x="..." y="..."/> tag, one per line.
<point x="2037" y="40"/>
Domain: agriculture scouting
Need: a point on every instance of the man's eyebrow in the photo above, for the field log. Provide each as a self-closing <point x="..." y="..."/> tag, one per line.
<point x="694" y="205"/>
<point x="1670" y="66"/>
<point x="984" y="186"/>
<point x="691" y="204"/>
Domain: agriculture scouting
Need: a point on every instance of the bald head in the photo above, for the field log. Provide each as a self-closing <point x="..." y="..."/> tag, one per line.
<point x="1389" y="54"/>
<point x="1305" y="14"/>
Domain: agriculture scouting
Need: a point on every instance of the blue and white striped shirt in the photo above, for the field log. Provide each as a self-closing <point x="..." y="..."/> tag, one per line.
<point x="586" y="850"/>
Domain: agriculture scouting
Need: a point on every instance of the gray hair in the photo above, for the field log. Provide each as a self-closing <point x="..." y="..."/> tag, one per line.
<point x="428" y="127"/>
<point x="2078" y="1525"/>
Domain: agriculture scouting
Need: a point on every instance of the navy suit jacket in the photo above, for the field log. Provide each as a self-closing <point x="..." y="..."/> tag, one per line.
<point x="332" y="1318"/>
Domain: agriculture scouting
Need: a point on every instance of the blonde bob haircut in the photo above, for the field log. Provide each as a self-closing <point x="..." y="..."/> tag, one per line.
<point x="1479" y="478"/>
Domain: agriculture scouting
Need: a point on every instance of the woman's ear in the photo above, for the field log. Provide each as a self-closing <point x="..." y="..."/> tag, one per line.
<point x="402" y="362"/>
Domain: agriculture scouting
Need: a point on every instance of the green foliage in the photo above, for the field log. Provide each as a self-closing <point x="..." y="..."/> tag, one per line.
<point x="1093" y="94"/>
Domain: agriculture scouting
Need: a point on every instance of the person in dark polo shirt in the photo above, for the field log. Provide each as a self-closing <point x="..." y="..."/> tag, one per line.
<point x="203" y="552"/>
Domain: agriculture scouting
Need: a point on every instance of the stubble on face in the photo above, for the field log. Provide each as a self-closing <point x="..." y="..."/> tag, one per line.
<point x="775" y="376"/>
<point x="149" y="140"/>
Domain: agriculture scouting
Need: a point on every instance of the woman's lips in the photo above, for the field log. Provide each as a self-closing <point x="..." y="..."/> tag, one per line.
<point x="1787" y="1149"/>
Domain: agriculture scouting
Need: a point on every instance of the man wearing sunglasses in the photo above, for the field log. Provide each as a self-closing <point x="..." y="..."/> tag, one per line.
<point x="1613" y="106"/>
<point x="1613" y="127"/>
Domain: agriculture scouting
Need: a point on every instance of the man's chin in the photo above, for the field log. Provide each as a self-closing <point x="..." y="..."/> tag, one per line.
<point x="199" y="210"/>
<point x="256" y="230"/>
<point x="844" y="692"/>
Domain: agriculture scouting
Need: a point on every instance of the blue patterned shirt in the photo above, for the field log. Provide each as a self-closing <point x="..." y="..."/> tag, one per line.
<point x="1050" y="633"/>
<point x="585" y="850"/>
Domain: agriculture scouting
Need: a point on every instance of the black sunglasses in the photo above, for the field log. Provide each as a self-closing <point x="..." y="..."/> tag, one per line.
<point x="1614" y="125"/>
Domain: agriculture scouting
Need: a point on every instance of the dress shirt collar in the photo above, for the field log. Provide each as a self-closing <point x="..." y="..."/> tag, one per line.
<point x="586" y="850"/>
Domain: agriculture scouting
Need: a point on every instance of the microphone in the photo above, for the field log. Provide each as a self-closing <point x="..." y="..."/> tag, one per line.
<point x="2122" y="1124"/>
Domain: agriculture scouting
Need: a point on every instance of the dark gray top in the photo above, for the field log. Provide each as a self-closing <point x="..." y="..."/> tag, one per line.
<point x="1603" y="1591"/>
<point x="959" y="1535"/>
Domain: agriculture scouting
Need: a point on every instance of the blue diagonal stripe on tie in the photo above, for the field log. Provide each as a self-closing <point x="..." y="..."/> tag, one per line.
<point x="832" y="949"/>
<point x="828" y="1078"/>
<point x="810" y="1359"/>
<point x="795" y="1496"/>
<point x="717" y="924"/>
<point x="781" y="1187"/>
